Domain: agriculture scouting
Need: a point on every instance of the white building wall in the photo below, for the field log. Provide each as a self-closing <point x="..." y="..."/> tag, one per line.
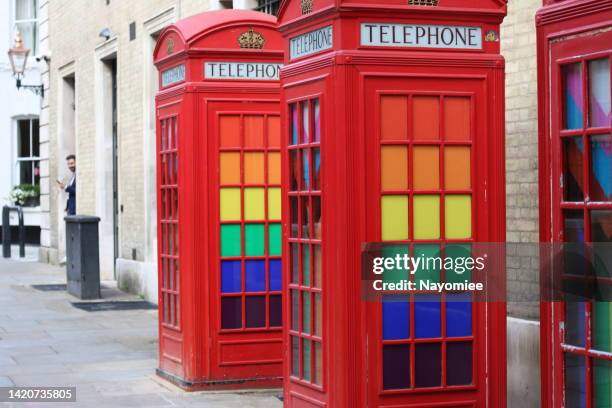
<point x="14" y="104"/>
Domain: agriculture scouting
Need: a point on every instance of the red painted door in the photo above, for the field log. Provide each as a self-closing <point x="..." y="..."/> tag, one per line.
<point x="581" y="146"/>
<point x="426" y="189"/>
<point x="246" y="284"/>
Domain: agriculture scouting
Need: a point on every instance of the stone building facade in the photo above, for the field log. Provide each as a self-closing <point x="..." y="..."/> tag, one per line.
<point x="101" y="108"/>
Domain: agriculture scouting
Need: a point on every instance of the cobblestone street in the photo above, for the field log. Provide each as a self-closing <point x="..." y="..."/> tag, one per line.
<point x="110" y="356"/>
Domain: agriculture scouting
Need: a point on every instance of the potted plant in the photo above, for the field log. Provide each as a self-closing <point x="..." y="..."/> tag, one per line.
<point x="25" y="195"/>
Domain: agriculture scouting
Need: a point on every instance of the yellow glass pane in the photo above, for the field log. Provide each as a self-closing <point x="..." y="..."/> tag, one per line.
<point x="426" y="168"/>
<point x="254" y="207"/>
<point x="274" y="168"/>
<point x="394" y="168"/>
<point x="254" y="168"/>
<point x="229" y="167"/>
<point x="457" y="167"/>
<point x="230" y="204"/>
<point x="458" y="216"/>
<point x="394" y="218"/>
<point x="426" y="217"/>
<point x="274" y="203"/>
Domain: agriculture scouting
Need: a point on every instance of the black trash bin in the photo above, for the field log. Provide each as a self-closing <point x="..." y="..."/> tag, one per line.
<point x="82" y="256"/>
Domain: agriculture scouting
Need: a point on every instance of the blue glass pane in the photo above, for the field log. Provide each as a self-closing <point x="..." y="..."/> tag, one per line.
<point x="575" y="313"/>
<point x="255" y="276"/>
<point x="294" y="125"/>
<point x="458" y="315"/>
<point x="427" y="316"/>
<point x="396" y="317"/>
<point x="231" y="281"/>
<point x="275" y="275"/>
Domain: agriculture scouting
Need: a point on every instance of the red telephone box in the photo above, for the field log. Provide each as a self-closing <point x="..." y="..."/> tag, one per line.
<point x="394" y="131"/>
<point x="219" y="199"/>
<point x="575" y="136"/>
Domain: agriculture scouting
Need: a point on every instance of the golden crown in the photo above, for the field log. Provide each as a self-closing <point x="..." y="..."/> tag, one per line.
<point x="251" y="39"/>
<point x="423" y="2"/>
<point x="307" y="6"/>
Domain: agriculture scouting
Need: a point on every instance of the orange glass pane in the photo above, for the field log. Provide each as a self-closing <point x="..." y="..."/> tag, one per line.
<point x="274" y="168"/>
<point x="273" y="131"/>
<point x="426" y="117"/>
<point x="457" y="167"/>
<point x="254" y="131"/>
<point x="457" y="118"/>
<point x="254" y="168"/>
<point x="426" y="169"/>
<point x="394" y="168"/>
<point x="393" y="117"/>
<point x="229" y="167"/>
<point x="229" y="131"/>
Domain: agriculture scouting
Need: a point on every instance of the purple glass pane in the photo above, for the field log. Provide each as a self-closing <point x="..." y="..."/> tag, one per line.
<point x="231" y="277"/>
<point x="276" y="311"/>
<point x="231" y="312"/>
<point x="428" y="365"/>
<point x="294" y="167"/>
<point x="255" y="311"/>
<point x="459" y="363"/>
<point x="317" y="120"/>
<point x="396" y="367"/>
<point x="575" y="314"/>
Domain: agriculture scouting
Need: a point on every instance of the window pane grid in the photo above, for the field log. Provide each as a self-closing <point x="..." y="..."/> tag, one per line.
<point x="586" y="206"/>
<point x="169" y="224"/>
<point x="250" y="228"/>
<point x="305" y="330"/>
<point x="426" y="188"/>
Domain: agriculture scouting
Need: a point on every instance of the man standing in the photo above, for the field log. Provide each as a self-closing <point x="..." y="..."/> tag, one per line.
<point x="70" y="188"/>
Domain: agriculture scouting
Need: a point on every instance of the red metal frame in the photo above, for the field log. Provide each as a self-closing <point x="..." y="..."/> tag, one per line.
<point x="348" y="80"/>
<point x="195" y="351"/>
<point x="568" y="31"/>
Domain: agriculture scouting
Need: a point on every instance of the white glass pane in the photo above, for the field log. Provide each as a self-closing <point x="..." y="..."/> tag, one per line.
<point x="29" y="35"/>
<point x="25" y="9"/>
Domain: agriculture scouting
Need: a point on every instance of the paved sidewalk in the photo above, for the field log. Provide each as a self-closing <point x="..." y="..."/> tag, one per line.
<point x="109" y="356"/>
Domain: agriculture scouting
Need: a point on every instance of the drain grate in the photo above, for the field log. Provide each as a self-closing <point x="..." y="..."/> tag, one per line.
<point x="114" y="305"/>
<point x="54" y="287"/>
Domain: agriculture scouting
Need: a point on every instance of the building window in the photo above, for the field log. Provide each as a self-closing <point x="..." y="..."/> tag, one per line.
<point x="268" y="6"/>
<point x="26" y="22"/>
<point x="28" y="152"/>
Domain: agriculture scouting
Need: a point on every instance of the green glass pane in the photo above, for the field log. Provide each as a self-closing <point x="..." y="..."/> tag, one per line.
<point x="459" y="254"/>
<point x="394" y="275"/>
<point x="274" y="239"/>
<point x="306" y="320"/>
<point x="254" y="241"/>
<point x="429" y="260"/>
<point x="306" y="358"/>
<point x="230" y="240"/>
<point x="602" y="326"/>
<point x="306" y="263"/>
<point x="602" y="383"/>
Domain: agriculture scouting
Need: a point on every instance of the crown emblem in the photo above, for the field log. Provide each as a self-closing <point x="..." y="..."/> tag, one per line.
<point x="170" y="46"/>
<point x="491" y="36"/>
<point x="307" y="6"/>
<point x="423" y="2"/>
<point x="251" y="39"/>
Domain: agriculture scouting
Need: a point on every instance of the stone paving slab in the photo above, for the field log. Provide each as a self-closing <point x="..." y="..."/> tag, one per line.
<point x="109" y="356"/>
